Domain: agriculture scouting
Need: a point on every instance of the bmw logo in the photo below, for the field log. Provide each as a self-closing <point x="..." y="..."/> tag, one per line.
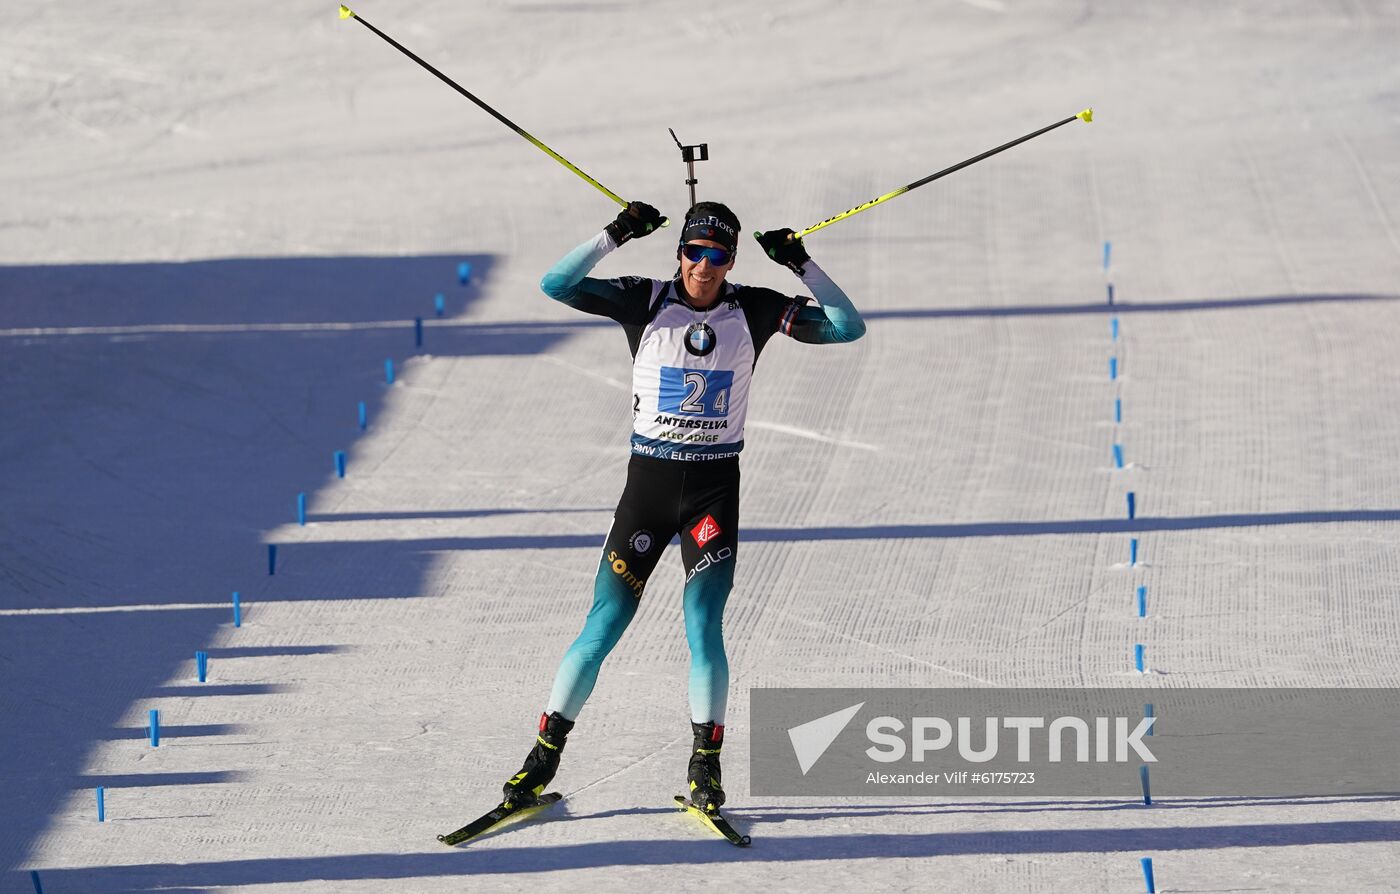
<point x="699" y="339"/>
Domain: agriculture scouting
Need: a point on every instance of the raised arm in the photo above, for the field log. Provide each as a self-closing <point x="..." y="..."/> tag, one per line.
<point x="568" y="281"/>
<point x="836" y="319"/>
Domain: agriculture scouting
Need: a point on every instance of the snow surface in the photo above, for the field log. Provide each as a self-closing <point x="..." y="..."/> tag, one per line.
<point x="219" y="220"/>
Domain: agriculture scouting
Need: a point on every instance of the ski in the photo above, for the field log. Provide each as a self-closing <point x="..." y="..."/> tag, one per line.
<point x="716" y="823"/>
<point x="496" y="816"/>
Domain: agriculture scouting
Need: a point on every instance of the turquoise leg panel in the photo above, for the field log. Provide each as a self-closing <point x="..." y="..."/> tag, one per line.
<point x="614" y="606"/>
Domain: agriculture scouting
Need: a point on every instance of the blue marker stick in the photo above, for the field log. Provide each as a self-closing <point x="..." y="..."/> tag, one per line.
<point x="1146" y="786"/>
<point x="1150" y="712"/>
<point x="389" y="371"/>
<point x="1113" y="326"/>
<point x="1142" y="603"/>
<point x="237" y="611"/>
<point x="201" y="663"/>
<point x="1107" y="249"/>
<point x="340" y="463"/>
<point x="418" y="332"/>
<point x="155" y="728"/>
<point x="1132" y="551"/>
<point x="1110" y="293"/>
<point x="271" y="558"/>
<point x="1132" y="505"/>
<point x="1118" y="409"/>
<point x="1140" y="658"/>
<point x="34" y="877"/>
<point x="1147" y="873"/>
<point x="101" y="804"/>
<point x="301" y="508"/>
<point x="1118" y="456"/>
<point x="364" y="416"/>
<point x="439" y="305"/>
<point x="1113" y="367"/>
<point x="464" y="273"/>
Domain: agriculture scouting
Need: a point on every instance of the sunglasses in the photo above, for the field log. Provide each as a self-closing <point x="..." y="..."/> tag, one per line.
<point x="696" y="253"/>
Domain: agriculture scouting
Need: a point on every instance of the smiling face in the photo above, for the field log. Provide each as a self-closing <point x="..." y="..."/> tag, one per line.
<point x="702" y="280"/>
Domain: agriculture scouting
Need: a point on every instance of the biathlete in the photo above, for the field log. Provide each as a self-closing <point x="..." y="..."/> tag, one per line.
<point x="694" y="341"/>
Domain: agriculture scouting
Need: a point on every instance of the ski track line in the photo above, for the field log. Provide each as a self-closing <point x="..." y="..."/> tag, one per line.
<point x="1370" y="191"/>
<point x="618" y="772"/>
<point x="855" y="639"/>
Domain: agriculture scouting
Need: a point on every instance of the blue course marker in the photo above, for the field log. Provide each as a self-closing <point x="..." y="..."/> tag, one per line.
<point x="340" y="463"/>
<point x="272" y="558"/>
<point x="364" y="416"/>
<point x="1113" y="327"/>
<point x="439" y="305"/>
<point x="1110" y="293"/>
<point x="101" y="804"/>
<point x="418" y="332"/>
<point x="1142" y="602"/>
<point x="464" y="273"/>
<point x="1132" y="551"/>
<point x="155" y="728"/>
<point x="1107" y="250"/>
<point x="1132" y="505"/>
<point x="1150" y="712"/>
<point x="1146" y="786"/>
<point x="1140" y="658"/>
<point x="201" y="663"/>
<point x="1112" y="368"/>
<point x="1147" y="874"/>
<point x="389" y="371"/>
<point x="1118" y="409"/>
<point x="34" y="877"/>
<point x="301" y="508"/>
<point x="1118" y="456"/>
<point x="237" y="611"/>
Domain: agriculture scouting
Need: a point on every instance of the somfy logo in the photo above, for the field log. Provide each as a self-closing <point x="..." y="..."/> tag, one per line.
<point x="811" y="740"/>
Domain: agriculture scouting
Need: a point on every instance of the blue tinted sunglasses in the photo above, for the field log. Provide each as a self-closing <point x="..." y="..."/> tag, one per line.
<point x="697" y="253"/>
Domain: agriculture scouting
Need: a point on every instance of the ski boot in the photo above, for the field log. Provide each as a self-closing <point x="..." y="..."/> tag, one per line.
<point x="706" y="792"/>
<point x="541" y="763"/>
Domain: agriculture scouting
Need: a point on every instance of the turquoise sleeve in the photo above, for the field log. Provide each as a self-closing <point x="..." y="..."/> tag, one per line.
<point x="836" y="320"/>
<point x="563" y="279"/>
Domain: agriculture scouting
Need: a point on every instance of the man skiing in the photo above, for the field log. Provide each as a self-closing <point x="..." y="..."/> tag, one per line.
<point x="695" y="340"/>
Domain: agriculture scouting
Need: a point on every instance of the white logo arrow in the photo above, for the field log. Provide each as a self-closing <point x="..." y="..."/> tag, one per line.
<point x="811" y="740"/>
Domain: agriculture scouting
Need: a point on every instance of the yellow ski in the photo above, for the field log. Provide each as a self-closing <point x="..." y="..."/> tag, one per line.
<point x="716" y="823"/>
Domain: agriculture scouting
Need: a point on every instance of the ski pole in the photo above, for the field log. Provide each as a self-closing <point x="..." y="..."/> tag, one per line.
<point x="1086" y="116"/>
<point x="347" y="13"/>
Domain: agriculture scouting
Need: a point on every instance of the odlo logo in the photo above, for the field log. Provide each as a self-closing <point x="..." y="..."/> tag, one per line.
<point x="709" y="559"/>
<point x="619" y="567"/>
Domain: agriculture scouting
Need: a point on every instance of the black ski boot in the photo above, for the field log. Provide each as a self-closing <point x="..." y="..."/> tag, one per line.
<point x="703" y="773"/>
<point x="541" y="763"/>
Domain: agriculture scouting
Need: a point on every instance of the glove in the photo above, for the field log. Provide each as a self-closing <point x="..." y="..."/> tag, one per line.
<point x="790" y="254"/>
<point x="637" y="219"/>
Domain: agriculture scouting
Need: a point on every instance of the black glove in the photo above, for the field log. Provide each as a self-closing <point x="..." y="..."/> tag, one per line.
<point x="791" y="254"/>
<point x="637" y="219"/>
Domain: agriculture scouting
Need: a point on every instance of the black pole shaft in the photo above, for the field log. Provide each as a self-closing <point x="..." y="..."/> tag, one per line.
<point x="988" y="154"/>
<point x="445" y="79"/>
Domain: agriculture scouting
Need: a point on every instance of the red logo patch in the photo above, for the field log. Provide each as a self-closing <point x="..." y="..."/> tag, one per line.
<point x="707" y="530"/>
